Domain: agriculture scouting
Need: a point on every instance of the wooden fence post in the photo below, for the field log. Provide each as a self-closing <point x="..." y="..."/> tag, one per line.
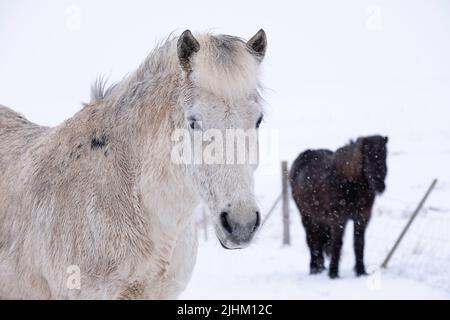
<point x="408" y="225"/>
<point x="285" y="200"/>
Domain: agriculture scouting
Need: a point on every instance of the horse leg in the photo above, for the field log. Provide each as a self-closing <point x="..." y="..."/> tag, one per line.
<point x="322" y="241"/>
<point x="337" y="234"/>
<point x="315" y="244"/>
<point x="360" y="226"/>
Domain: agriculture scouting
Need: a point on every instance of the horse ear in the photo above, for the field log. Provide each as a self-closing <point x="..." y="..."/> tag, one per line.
<point x="187" y="45"/>
<point x="386" y="139"/>
<point x="258" y="44"/>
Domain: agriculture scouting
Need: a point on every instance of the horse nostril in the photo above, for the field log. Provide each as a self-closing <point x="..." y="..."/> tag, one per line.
<point x="224" y="220"/>
<point x="258" y="221"/>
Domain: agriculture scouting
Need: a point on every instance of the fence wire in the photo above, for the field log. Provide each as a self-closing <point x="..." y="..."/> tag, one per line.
<point x="423" y="255"/>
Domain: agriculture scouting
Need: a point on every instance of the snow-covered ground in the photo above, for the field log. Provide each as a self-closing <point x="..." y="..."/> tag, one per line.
<point x="420" y="268"/>
<point x="334" y="70"/>
<point x="267" y="270"/>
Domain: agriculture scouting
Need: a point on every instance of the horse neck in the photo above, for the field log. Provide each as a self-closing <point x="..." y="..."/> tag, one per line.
<point x="348" y="162"/>
<point x="136" y="120"/>
<point x="144" y="106"/>
<point x="151" y="112"/>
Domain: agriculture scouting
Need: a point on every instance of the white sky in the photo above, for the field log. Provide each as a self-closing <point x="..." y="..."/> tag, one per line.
<point x="334" y="69"/>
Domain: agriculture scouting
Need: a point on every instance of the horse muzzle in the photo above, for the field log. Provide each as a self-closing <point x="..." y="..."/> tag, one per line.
<point x="234" y="234"/>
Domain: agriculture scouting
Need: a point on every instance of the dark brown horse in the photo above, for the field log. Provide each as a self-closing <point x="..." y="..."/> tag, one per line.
<point x="332" y="188"/>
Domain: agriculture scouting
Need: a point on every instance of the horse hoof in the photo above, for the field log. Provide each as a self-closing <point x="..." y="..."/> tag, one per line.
<point x="360" y="271"/>
<point x="316" y="270"/>
<point x="333" y="275"/>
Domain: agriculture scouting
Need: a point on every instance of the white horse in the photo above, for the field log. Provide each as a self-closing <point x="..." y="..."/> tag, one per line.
<point x="95" y="208"/>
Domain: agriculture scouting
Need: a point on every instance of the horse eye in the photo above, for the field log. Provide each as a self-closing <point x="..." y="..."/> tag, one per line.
<point x="192" y="125"/>
<point x="258" y="123"/>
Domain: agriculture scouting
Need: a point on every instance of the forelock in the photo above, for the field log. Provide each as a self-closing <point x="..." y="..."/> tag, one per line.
<point x="225" y="66"/>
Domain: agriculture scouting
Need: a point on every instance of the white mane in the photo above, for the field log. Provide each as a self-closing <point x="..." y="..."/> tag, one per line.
<point x="223" y="66"/>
